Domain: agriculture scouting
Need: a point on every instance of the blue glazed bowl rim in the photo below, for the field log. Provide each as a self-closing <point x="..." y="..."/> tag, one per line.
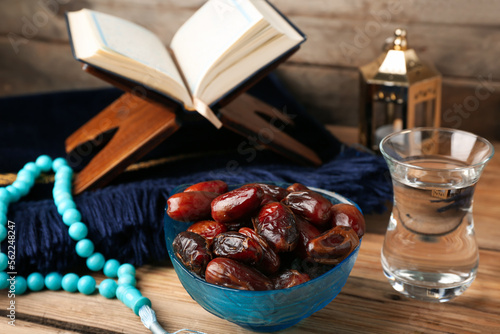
<point x="338" y="267"/>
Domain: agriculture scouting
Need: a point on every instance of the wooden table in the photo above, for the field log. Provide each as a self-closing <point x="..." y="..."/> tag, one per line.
<point x="367" y="303"/>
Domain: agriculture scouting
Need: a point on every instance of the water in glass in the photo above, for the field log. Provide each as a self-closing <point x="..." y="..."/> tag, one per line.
<point x="432" y="222"/>
<point x="430" y="250"/>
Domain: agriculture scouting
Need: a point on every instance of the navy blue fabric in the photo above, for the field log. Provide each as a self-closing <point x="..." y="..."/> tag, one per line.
<point x="125" y="219"/>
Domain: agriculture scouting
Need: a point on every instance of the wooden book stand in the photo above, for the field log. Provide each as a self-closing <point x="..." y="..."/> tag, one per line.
<point x="142" y="118"/>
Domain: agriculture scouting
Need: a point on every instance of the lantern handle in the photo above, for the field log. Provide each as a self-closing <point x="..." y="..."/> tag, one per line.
<point x="397" y="42"/>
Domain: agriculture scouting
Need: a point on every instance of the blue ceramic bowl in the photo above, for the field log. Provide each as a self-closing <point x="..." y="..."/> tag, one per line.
<point x="263" y="311"/>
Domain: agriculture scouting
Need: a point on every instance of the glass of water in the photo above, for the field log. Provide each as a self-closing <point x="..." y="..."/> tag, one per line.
<point x="430" y="251"/>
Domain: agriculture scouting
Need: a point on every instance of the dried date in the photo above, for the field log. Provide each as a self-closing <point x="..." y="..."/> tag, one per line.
<point x="297" y="187"/>
<point x="190" y="206"/>
<point x="348" y="215"/>
<point x="208" y="229"/>
<point x="237" y="246"/>
<point x="233" y="274"/>
<point x="270" y="260"/>
<point x="276" y="224"/>
<point x="307" y="232"/>
<point x="310" y="205"/>
<point x="215" y="186"/>
<point x="332" y="246"/>
<point x="271" y="192"/>
<point x="289" y="278"/>
<point x="193" y="251"/>
<point x="236" y="204"/>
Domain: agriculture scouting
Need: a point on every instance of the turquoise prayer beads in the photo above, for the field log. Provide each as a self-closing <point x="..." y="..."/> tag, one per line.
<point x="124" y="290"/>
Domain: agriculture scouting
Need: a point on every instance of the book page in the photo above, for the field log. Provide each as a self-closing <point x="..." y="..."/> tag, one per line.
<point x="244" y="68"/>
<point x="137" y="43"/>
<point x="210" y="33"/>
<point x="84" y="43"/>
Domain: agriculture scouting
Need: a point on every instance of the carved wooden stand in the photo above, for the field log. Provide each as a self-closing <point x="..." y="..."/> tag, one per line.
<point x="141" y="119"/>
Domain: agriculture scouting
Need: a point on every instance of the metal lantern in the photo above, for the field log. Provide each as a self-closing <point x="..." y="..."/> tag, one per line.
<point x="398" y="92"/>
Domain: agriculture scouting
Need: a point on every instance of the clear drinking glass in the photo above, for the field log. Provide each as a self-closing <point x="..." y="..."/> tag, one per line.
<point x="430" y="251"/>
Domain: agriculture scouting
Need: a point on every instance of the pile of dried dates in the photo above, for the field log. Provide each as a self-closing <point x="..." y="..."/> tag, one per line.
<point x="261" y="236"/>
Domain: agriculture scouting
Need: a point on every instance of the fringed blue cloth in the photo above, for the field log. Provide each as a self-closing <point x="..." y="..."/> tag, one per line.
<point x="125" y="219"/>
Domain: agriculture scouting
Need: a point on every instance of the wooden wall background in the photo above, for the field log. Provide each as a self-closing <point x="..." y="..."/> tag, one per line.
<point x="460" y="37"/>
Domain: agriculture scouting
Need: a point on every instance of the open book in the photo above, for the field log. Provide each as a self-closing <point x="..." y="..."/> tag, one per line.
<point x="221" y="46"/>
